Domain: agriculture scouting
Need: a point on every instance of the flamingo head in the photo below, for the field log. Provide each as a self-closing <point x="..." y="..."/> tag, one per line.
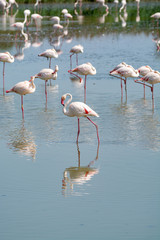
<point x="63" y="98"/>
<point x="32" y="79"/>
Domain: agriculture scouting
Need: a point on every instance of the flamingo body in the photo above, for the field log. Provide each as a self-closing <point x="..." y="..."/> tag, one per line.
<point x="47" y="73"/>
<point x="144" y="70"/>
<point x="122" y="64"/>
<point x="156" y="15"/>
<point x="151" y="77"/>
<point x="85" y="69"/>
<point x="6" y="57"/>
<point x="23" y="88"/>
<point x="36" y="16"/>
<point x="77" y="49"/>
<point x="126" y="72"/>
<point x="49" y="53"/>
<point x="78" y="109"/>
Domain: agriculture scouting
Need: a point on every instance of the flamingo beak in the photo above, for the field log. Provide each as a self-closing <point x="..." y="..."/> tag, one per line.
<point x="62" y="101"/>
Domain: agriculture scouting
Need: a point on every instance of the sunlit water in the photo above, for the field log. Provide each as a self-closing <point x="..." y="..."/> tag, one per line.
<point x="52" y="188"/>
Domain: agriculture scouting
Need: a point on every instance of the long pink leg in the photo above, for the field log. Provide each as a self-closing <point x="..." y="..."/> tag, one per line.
<point x="85" y="89"/>
<point x="3" y="78"/>
<point x="70" y="71"/>
<point x="144" y="91"/>
<point x="121" y="88"/>
<point x="71" y="61"/>
<point x="78" y="130"/>
<point x="96" y="128"/>
<point x="22" y="106"/>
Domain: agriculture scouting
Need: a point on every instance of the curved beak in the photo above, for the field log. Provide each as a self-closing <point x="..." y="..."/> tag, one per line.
<point x="62" y="101"/>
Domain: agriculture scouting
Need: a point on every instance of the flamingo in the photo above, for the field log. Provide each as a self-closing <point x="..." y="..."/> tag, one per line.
<point x="156" y="16"/>
<point x="75" y="50"/>
<point x="78" y="109"/>
<point x="122" y="64"/>
<point x="23" y="88"/>
<point x="125" y="71"/>
<point x="20" y="25"/>
<point x="124" y="3"/>
<point x="143" y="70"/>
<point x="10" y="4"/>
<point x="5" y="57"/>
<point x="151" y="78"/>
<point x="37" y="18"/>
<point x="46" y="74"/>
<point x="49" y="53"/>
<point x="84" y="69"/>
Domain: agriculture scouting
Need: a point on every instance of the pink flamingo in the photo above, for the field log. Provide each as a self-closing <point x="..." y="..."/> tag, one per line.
<point x="143" y="70"/>
<point x="75" y="50"/>
<point x="46" y="74"/>
<point x="5" y="57"/>
<point x="49" y="53"/>
<point x="20" y="25"/>
<point x="84" y="69"/>
<point x="151" y="78"/>
<point x="23" y="88"/>
<point x="78" y="109"/>
<point x="125" y="71"/>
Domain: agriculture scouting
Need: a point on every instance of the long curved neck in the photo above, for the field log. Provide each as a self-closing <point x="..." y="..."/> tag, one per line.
<point x="25" y="19"/>
<point x="66" y="104"/>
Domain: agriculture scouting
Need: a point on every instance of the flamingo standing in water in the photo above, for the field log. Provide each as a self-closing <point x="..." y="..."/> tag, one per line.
<point x="125" y="71"/>
<point x="151" y="78"/>
<point x="46" y="74"/>
<point x="20" y="25"/>
<point x="5" y="57"/>
<point x="49" y="53"/>
<point x="23" y="88"/>
<point x="75" y="50"/>
<point x="84" y="69"/>
<point x="143" y="70"/>
<point x="78" y="109"/>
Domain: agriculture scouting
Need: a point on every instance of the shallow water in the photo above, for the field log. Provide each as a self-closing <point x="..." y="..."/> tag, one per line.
<point x="52" y="188"/>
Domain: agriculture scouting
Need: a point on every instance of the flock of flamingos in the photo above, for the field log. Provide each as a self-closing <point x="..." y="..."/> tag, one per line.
<point x="148" y="76"/>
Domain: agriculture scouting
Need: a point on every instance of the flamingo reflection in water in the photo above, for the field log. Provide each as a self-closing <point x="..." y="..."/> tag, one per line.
<point x="22" y="141"/>
<point x="78" y="175"/>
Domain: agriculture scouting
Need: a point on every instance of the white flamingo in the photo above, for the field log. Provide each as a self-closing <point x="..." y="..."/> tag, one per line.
<point x="5" y="57"/>
<point x="103" y="4"/>
<point x="84" y="69"/>
<point x="49" y="54"/>
<point x="78" y="109"/>
<point x="46" y="74"/>
<point x="20" y="25"/>
<point x="151" y="78"/>
<point x="23" y="88"/>
<point x="75" y="50"/>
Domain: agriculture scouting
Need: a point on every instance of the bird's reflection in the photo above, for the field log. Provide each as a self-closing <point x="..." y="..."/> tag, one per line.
<point x="22" y="141"/>
<point x="78" y="175"/>
<point x="138" y="16"/>
<point x="20" y="50"/>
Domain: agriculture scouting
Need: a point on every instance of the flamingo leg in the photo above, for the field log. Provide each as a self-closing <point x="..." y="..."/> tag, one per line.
<point x="85" y="89"/>
<point x="152" y="92"/>
<point x="71" y="61"/>
<point x="50" y="63"/>
<point x="3" y="78"/>
<point x="121" y="89"/>
<point x="22" y="106"/>
<point x="77" y="59"/>
<point x="78" y="131"/>
<point x="46" y="90"/>
<point x="96" y="128"/>
<point x="70" y="71"/>
<point x="144" y="91"/>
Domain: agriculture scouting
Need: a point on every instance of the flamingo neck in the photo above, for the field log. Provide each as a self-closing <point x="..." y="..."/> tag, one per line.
<point x="66" y="104"/>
